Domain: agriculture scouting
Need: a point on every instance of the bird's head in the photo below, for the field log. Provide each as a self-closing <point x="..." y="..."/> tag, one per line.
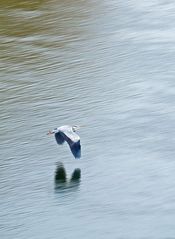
<point x="75" y="128"/>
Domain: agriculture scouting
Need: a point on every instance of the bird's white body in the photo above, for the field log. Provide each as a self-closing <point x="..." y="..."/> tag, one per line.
<point x="68" y="131"/>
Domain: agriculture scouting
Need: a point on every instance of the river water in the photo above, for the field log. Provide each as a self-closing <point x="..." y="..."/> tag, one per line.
<point x="107" y="65"/>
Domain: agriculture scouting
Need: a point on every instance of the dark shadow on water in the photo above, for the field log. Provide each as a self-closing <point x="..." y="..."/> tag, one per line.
<point x="62" y="183"/>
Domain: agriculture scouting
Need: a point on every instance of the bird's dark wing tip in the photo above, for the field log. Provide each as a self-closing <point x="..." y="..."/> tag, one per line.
<point x="59" y="138"/>
<point x="76" y="149"/>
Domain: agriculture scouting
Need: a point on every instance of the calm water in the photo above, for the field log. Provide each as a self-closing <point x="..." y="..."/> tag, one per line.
<point x="108" y="65"/>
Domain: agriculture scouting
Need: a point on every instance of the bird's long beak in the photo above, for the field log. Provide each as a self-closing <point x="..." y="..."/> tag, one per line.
<point x="80" y="126"/>
<point x="50" y="132"/>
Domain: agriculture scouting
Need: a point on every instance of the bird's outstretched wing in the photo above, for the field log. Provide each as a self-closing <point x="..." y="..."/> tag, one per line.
<point x="59" y="138"/>
<point x="76" y="149"/>
<point x="73" y="140"/>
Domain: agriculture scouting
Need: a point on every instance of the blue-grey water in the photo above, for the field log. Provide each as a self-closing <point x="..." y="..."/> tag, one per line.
<point x="107" y="65"/>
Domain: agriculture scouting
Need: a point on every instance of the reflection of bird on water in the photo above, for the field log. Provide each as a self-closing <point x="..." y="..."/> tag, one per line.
<point x="61" y="181"/>
<point x="60" y="174"/>
<point x="67" y="133"/>
<point x="76" y="175"/>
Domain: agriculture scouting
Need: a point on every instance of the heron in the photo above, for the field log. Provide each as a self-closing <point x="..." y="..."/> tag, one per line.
<point x="67" y="133"/>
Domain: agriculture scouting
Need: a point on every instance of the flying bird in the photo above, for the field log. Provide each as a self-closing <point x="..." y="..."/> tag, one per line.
<point x="67" y="133"/>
